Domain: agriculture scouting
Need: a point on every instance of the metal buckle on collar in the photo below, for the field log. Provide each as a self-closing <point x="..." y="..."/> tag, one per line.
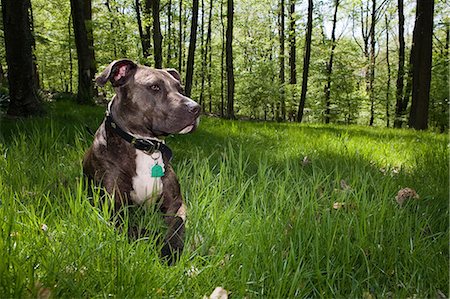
<point x="146" y="145"/>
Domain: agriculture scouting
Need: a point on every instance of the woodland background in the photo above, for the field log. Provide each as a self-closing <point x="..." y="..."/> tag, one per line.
<point x="335" y="61"/>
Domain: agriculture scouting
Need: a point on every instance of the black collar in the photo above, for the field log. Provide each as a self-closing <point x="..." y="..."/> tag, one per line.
<point x="144" y="144"/>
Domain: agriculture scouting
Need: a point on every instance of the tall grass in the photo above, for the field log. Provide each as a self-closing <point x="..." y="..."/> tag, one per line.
<point x="263" y="220"/>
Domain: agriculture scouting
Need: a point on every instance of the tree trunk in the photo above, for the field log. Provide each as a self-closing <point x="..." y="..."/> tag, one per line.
<point x="388" y="87"/>
<point x="399" y="107"/>
<point x="191" y="53"/>
<point x="180" y="38"/>
<point x="306" y="59"/>
<point x="292" y="51"/>
<point x="330" y="65"/>
<point x="292" y="48"/>
<point x="82" y="16"/>
<point x="157" y="36"/>
<point x="144" y="35"/>
<point x="229" y="60"/>
<point x="421" y="66"/>
<point x="69" y="28"/>
<point x="222" y="68"/>
<point x="281" y="61"/>
<point x="204" y="56"/>
<point x="209" y="54"/>
<point x="372" y="64"/>
<point x="24" y="100"/>
<point x="169" y="34"/>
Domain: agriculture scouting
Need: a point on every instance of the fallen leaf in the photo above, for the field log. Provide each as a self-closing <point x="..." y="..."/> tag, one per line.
<point x="345" y="186"/>
<point x="306" y="161"/>
<point x="406" y="194"/>
<point x="368" y="295"/>
<point x="338" y="205"/>
<point x="219" y="293"/>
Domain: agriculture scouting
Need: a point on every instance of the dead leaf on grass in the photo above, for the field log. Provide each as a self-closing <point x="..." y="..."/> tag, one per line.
<point x="218" y="293"/>
<point x="406" y="194"/>
<point x="306" y="161"/>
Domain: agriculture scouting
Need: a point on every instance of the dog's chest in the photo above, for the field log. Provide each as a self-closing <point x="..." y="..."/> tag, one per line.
<point x="147" y="188"/>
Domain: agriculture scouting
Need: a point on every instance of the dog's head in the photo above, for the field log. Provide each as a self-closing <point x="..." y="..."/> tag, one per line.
<point x="151" y="101"/>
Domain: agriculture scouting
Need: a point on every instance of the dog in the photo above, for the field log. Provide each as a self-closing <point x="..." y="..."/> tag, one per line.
<point x="128" y="158"/>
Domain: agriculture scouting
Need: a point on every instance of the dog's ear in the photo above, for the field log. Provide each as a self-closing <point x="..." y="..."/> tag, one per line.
<point x="117" y="72"/>
<point x="174" y="74"/>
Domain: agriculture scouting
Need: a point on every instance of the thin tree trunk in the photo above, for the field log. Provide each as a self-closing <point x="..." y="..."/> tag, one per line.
<point x="81" y="16"/>
<point x="330" y="66"/>
<point x="421" y="66"/>
<point x="24" y="100"/>
<point x="209" y="54"/>
<point x="203" y="56"/>
<point x="111" y="25"/>
<point x="292" y="52"/>
<point x="222" y="68"/>
<point x="372" y="64"/>
<point x="157" y="36"/>
<point x="388" y="88"/>
<point x="191" y="53"/>
<point x="180" y="38"/>
<point x="306" y="59"/>
<point x="229" y="60"/>
<point x="399" y="111"/>
<point x="281" y="61"/>
<point x="69" y="27"/>
<point x="144" y="36"/>
<point x="169" y="34"/>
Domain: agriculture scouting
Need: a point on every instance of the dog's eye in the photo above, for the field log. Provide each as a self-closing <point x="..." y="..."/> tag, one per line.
<point x="155" y="87"/>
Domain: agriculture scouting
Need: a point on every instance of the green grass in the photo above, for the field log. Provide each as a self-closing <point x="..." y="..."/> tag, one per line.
<point x="261" y="223"/>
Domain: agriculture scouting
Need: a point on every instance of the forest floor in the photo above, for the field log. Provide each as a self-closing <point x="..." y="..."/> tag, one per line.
<point x="275" y="210"/>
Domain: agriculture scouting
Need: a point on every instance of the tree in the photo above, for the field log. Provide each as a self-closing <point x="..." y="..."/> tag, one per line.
<point x="24" y="100"/>
<point x="421" y="53"/>
<point x="281" y="61"/>
<point x="388" y="88"/>
<point x="81" y="16"/>
<point x="143" y="34"/>
<point x="229" y="60"/>
<point x="157" y="36"/>
<point x="306" y="59"/>
<point x="191" y="51"/>
<point x="329" y="69"/>
<point x="400" y="106"/>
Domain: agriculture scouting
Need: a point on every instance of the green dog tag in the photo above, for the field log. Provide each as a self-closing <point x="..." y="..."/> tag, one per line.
<point x="157" y="171"/>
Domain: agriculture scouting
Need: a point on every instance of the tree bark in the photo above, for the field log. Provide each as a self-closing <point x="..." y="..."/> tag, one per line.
<point x="372" y="63"/>
<point x="306" y="60"/>
<point x="24" y="100"/>
<point x="209" y="54"/>
<point x="180" y="38"/>
<point x="330" y="66"/>
<point x="421" y="66"/>
<point x="281" y="61"/>
<point x="399" y="107"/>
<point x="191" y="53"/>
<point x="204" y="56"/>
<point x="169" y="34"/>
<point x="229" y="60"/>
<point x="157" y="36"/>
<point x="222" y="68"/>
<point x="292" y="45"/>
<point x="388" y="88"/>
<point x="81" y="17"/>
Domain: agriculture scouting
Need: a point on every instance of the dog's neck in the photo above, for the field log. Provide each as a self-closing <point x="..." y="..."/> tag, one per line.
<point x="146" y="144"/>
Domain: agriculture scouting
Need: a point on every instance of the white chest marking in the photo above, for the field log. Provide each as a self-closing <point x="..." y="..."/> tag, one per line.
<point x="146" y="189"/>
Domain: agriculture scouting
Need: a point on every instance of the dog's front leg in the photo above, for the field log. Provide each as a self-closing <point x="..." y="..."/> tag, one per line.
<point x="174" y="211"/>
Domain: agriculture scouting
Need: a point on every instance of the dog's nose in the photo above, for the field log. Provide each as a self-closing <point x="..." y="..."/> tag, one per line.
<point x="194" y="108"/>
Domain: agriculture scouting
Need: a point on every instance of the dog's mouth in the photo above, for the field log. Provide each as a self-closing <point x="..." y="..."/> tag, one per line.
<point x="190" y="128"/>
